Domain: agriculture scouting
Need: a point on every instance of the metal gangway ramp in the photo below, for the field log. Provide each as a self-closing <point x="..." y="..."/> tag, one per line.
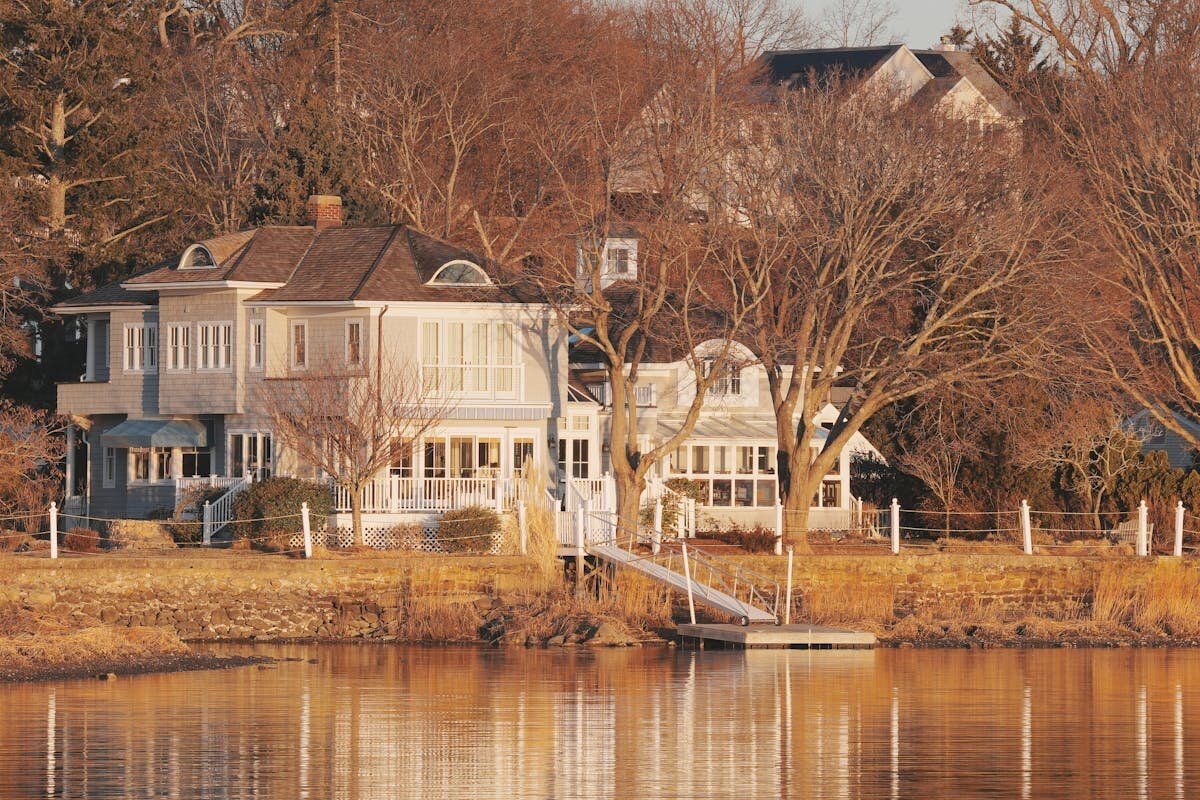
<point x="720" y="584"/>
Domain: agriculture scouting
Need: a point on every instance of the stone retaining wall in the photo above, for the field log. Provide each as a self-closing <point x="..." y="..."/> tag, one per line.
<point x="251" y="596"/>
<point x="221" y="595"/>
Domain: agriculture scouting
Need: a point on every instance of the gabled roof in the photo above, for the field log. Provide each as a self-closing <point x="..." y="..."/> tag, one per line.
<point x="264" y="255"/>
<point x="389" y="262"/>
<point x="957" y="62"/>
<point x="820" y="67"/>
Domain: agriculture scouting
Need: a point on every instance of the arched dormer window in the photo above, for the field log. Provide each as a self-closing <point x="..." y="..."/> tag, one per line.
<point x="459" y="273"/>
<point x="197" y="257"/>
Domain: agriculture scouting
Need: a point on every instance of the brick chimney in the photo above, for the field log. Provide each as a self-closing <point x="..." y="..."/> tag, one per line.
<point x="323" y="211"/>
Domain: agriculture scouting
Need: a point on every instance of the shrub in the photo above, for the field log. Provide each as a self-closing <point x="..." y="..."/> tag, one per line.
<point x="271" y="501"/>
<point x="14" y="541"/>
<point x="753" y="540"/>
<point x="82" y="540"/>
<point x="406" y="536"/>
<point x="468" y="530"/>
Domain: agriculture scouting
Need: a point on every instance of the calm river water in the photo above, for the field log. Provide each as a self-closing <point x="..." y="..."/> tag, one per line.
<point x="379" y="721"/>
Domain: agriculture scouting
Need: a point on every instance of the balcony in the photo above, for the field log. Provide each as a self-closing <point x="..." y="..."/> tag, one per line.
<point x="424" y="495"/>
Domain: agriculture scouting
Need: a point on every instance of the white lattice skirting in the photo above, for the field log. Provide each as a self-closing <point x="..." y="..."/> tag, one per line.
<point x="414" y="538"/>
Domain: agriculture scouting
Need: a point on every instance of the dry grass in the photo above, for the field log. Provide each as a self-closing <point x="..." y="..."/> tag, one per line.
<point x="11" y="540"/>
<point x="427" y="621"/>
<point x="542" y="538"/>
<point x="82" y="540"/>
<point x="1166" y="602"/>
<point x="28" y="644"/>
<point x="843" y="604"/>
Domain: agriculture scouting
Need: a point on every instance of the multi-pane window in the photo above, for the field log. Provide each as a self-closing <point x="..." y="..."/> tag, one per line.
<point x="354" y="343"/>
<point x="216" y="345"/>
<point x="728" y="382"/>
<point x="299" y="345"/>
<point x="469" y="357"/>
<point x="110" y="467"/>
<point x="141" y="347"/>
<point x="196" y="462"/>
<point x="162" y="463"/>
<point x="256" y="343"/>
<point x="522" y="453"/>
<point x="730" y="475"/>
<point x="618" y="260"/>
<point x="179" y="347"/>
<point x="139" y="465"/>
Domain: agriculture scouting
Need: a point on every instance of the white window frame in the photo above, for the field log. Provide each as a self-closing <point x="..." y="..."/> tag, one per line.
<point x="109" y="468"/>
<point x="351" y="324"/>
<point x="179" y="342"/>
<point x="293" y="326"/>
<point x="139" y="347"/>
<point x="257" y="344"/>
<point x="462" y="370"/>
<point x="214" y="343"/>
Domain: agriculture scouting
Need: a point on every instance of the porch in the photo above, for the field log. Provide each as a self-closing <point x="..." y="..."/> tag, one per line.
<point x="398" y="495"/>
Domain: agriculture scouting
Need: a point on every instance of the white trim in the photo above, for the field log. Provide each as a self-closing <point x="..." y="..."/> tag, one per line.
<point x="183" y="259"/>
<point x="184" y="346"/>
<point x="68" y="309"/>
<point x="361" y="342"/>
<point x="396" y="306"/>
<point x="454" y="263"/>
<point x="154" y="287"/>
<point x="291" y="344"/>
<point x="139" y="356"/>
<point x="256" y="364"/>
<point x="214" y="338"/>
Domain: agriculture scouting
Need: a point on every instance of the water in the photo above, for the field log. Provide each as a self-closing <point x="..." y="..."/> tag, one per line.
<point x="386" y="722"/>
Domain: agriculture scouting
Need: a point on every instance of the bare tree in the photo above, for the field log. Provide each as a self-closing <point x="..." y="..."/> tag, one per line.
<point x="897" y="254"/>
<point x="351" y="423"/>
<point x="857" y="23"/>
<point x="31" y="454"/>
<point x="939" y="431"/>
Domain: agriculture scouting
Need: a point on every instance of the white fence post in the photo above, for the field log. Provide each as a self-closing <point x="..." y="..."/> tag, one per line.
<point x="1178" y="529"/>
<point x="499" y="497"/>
<point x="53" y="530"/>
<point x="895" y="526"/>
<point x="656" y="542"/>
<point x="206" y="523"/>
<point x="787" y="609"/>
<point x="687" y="575"/>
<point x="779" y="528"/>
<point x="1026" y="529"/>
<point x="523" y="526"/>
<point x="307" y="530"/>
<point x="1142" y="538"/>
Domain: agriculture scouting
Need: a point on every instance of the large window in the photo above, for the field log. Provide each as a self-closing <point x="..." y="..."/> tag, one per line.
<point x="251" y="453"/>
<point x="741" y="475"/>
<point x="216" y="345"/>
<point x="141" y="347"/>
<point x="472" y="358"/>
<point x="196" y="462"/>
<point x="179" y="347"/>
<point x="727" y="383"/>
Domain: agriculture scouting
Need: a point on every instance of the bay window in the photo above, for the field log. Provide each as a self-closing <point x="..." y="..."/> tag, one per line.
<point x="216" y="345"/>
<point x="471" y="358"/>
<point x="179" y="347"/>
<point x="141" y="347"/>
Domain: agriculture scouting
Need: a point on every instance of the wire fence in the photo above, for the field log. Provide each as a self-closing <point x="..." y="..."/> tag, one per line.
<point x="293" y="535"/>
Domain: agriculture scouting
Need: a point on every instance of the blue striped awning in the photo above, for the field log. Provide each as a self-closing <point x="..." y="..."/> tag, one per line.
<point x="156" y="433"/>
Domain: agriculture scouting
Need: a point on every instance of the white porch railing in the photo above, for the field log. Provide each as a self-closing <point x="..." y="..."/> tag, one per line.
<point x="391" y="495"/>
<point x="185" y="485"/>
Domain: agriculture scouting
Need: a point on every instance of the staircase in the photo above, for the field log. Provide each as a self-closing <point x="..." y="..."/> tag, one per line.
<point x="219" y="513"/>
<point x="717" y="583"/>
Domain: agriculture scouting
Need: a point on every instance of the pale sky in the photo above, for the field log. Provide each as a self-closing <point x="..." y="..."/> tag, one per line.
<point x="918" y="23"/>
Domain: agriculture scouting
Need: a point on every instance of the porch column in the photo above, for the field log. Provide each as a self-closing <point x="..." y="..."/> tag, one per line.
<point x="844" y="460"/>
<point x="70" y="465"/>
<point x="89" y="369"/>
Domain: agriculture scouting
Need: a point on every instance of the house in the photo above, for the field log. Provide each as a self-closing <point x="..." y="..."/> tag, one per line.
<point x="176" y="357"/>
<point x="177" y="354"/>
<point x="1181" y="453"/>
<point x="943" y="80"/>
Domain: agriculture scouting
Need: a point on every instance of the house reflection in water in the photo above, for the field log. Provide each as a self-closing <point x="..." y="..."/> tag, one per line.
<point x="385" y="722"/>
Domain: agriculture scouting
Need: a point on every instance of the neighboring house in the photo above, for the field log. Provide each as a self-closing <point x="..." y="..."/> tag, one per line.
<point x="176" y="355"/>
<point x="1180" y="452"/>
<point x="944" y="80"/>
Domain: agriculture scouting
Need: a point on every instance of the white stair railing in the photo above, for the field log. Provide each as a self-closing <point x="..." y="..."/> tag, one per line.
<point x="218" y="513"/>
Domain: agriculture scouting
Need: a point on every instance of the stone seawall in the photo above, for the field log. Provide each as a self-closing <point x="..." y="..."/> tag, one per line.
<point x="222" y="596"/>
<point x="226" y="596"/>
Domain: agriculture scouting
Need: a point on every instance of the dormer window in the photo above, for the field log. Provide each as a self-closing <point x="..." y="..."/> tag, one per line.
<point x="197" y="257"/>
<point x="619" y="260"/>
<point x="460" y="273"/>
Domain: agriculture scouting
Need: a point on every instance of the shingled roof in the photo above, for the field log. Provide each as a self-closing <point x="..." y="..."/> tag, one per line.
<point x="797" y="68"/>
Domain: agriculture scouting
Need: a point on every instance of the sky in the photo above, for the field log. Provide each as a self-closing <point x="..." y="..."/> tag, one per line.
<point x="917" y="23"/>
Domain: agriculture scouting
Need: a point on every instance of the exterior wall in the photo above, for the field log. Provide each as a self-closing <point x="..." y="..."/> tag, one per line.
<point x="133" y="393"/>
<point x="195" y="390"/>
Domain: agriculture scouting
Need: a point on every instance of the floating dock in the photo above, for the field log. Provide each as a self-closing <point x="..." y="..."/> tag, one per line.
<point x="801" y="636"/>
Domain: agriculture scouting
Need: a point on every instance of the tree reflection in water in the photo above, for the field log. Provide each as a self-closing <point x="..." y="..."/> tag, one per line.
<point x="380" y="721"/>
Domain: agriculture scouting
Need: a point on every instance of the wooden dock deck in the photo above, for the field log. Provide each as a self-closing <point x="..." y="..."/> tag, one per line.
<point x="801" y="636"/>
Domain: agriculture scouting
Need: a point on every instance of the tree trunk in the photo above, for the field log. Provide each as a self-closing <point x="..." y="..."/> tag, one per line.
<point x="629" y="506"/>
<point x="796" y="504"/>
<point x="56" y="190"/>
<point x="356" y="516"/>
